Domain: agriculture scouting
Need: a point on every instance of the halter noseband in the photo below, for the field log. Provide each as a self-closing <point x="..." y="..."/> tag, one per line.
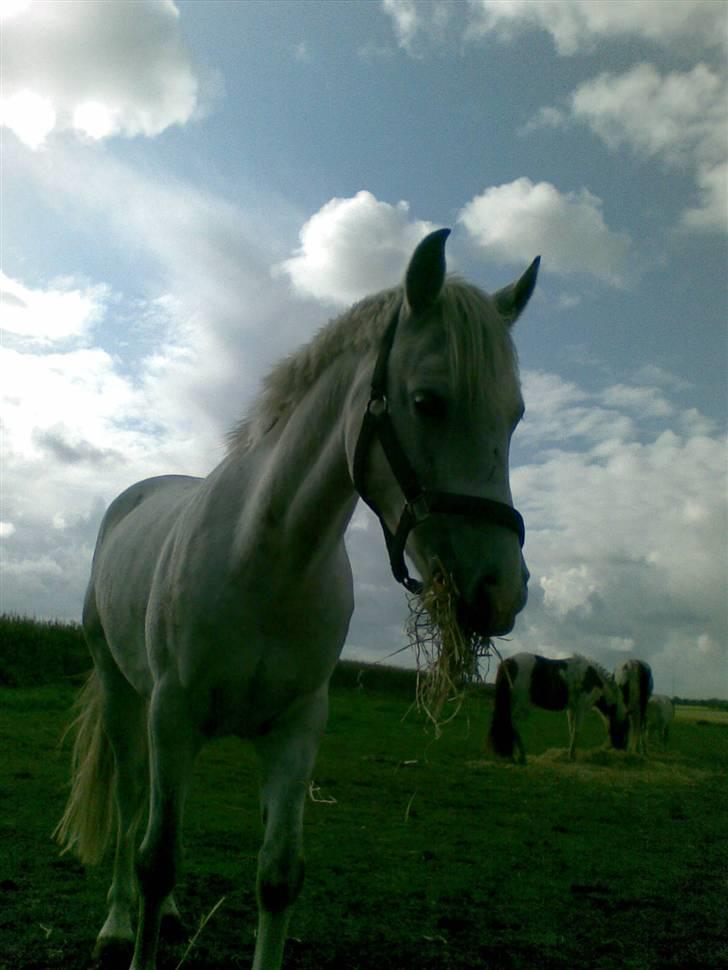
<point x="420" y="502"/>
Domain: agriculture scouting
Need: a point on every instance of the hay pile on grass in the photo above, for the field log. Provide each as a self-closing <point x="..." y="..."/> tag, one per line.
<point x="448" y="657"/>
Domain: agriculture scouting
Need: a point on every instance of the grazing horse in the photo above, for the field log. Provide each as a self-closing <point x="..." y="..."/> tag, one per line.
<point x="220" y="605"/>
<point x="634" y="679"/>
<point x="660" y="715"/>
<point x="574" y="685"/>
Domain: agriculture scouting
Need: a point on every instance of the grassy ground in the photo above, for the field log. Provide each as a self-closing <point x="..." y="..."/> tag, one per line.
<point x="420" y="854"/>
<point x="697" y="713"/>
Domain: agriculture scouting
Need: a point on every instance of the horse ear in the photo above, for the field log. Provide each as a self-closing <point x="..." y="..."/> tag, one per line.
<point x="511" y="300"/>
<point x="426" y="271"/>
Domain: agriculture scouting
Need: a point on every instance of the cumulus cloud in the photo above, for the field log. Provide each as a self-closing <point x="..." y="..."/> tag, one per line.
<point x="97" y="67"/>
<point x="711" y="211"/>
<point x="640" y="400"/>
<point x="84" y="384"/>
<point x="138" y="385"/>
<point x="352" y="247"/>
<point x="45" y="316"/>
<point x="414" y="21"/>
<point x="626" y="531"/>
<point x="626" y="537"/>
<point x="574" y="25"/>
<point x="516" y="220"/>
<point x="679" y="118"/>
<point x="577" y="25"/>
<point x="568" y="588"/>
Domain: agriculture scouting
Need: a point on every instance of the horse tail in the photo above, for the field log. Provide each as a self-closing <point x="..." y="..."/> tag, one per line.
<point x="90" y="815"/>
<point x="502" y="737"/>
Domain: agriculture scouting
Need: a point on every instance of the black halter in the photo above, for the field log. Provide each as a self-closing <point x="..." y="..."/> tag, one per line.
<point x="420" y="502"/>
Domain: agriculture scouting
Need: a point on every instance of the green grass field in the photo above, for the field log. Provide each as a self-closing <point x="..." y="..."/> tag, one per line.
<point x="696" y="712"/>
<point x="420" y="853"/>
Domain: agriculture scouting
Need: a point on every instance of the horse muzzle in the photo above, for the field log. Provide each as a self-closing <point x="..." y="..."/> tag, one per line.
<point x="492" y="608"/>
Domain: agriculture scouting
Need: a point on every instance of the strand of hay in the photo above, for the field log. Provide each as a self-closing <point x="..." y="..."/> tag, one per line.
<point x="447" y="656"/>
<point x="203" y="923"/>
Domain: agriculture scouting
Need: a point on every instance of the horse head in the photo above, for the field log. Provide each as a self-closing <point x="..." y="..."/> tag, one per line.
<point x="432" y="456"/>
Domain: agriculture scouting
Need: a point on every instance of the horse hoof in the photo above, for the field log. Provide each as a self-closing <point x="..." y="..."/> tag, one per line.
<point x="173" y="930"/>
<point x="112" y="953"/>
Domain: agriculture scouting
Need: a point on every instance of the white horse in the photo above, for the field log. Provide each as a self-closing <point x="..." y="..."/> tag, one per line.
<point x="220" y="605"/>
<point x="575" y="685"/>
<point x="660" y="715"/>
<point x="634" y="679"/>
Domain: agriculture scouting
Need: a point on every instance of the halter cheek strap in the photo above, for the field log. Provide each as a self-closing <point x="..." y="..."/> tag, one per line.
<point x="420" y="503"/>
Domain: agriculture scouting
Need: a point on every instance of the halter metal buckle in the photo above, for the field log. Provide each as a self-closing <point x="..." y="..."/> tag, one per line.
<point x="378" y="406"/>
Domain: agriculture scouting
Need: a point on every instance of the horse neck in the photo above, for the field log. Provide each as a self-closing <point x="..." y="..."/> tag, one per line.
<point x="303" y="495"/>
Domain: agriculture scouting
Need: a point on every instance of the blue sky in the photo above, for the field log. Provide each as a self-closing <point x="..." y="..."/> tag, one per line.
<point x="190" y="190"/>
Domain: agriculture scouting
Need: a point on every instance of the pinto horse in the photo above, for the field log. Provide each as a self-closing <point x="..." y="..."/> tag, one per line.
<point x="220" y="605"/>
<point x="575" y="685"/>
<point x="634" y="679"/>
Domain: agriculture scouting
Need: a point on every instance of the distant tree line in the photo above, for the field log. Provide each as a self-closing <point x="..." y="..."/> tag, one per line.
<point x="36" y="652"/>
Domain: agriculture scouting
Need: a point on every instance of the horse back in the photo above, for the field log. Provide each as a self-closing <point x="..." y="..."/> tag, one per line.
<point x="548" y="688"/>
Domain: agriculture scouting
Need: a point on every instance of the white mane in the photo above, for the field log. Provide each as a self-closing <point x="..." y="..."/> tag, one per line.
<point x="482" y="354"/>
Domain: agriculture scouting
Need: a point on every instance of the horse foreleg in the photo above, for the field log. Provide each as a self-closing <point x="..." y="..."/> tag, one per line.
<point x="173" y="743"/>
<point x="287" y="754"/>
<point x="571" y="717"/>
<point x="633" y="739"/>
<point x="642" y="738"/>
<point x="519" y="749"/>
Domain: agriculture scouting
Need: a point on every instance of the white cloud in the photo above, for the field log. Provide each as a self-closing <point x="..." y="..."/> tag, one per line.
<point x="82" y="420"/>
<point x="352" y="247"/>
<point x="412" y="21"/>
<point x="679" y="118"/>
<point x="654" y="375"/>
<point x="712" y="209"/>
<point x="516" y="220"/>
<point x="568" y="588"/>
<point x="31" y="116"/>
<point x="81" y="385"/>
<point x="627" y="539"/>
<point x="405" y="19"/>
<point x="577" y="25"/>
<point x="302" y="53"/>
<point x="99" y="67"/>
<point x="45" y="316"/>
<point x="646" y="402"/>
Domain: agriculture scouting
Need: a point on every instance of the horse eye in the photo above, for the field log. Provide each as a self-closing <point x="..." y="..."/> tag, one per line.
<point x="429" y="405"/>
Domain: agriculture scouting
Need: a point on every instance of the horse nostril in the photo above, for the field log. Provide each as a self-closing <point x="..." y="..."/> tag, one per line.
<point x="487" y="582"/>
<point x="475" y="618"/>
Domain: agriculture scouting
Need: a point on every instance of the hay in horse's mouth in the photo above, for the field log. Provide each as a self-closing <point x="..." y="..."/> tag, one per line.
<point x="447" y="654"/>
